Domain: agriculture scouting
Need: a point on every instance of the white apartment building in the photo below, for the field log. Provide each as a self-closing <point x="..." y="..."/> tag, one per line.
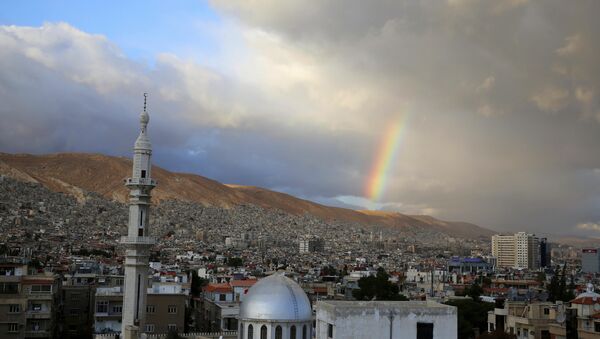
<point x="519" y="250"/>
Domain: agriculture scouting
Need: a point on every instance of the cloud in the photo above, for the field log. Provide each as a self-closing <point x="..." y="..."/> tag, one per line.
<point x="589" y="226"/>
<point x="298" y="97"/>
<point x="551" y="99"/>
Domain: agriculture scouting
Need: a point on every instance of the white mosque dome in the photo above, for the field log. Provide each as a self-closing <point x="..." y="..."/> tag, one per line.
<point x="276" y="298"/>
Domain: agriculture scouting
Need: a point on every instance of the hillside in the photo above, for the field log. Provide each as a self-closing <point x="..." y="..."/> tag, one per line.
<point x="75" y="173"/>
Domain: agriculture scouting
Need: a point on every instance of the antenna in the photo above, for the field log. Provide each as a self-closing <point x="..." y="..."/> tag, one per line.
<point x="145" y="97"/>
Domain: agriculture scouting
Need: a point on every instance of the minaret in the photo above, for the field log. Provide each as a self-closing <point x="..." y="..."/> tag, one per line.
<point x="138" y="242"/>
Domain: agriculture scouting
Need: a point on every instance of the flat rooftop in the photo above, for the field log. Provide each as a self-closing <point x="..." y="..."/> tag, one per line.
<point x="371" y="307"/>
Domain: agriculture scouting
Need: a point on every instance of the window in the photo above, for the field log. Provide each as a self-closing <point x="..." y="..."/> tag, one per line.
<point x="14" y="308"/>
<point x="329" y="331"/>
<point x="263" y="332"/>
<point x="102" y="307"/>
<point x="36" y="307"/>
<point x="41" y="288"/>
<point x="596" y="327"/>
<point x="278" y="332"/>
<point x="424" y="331"/>
<point x="9" y="288"/>
<point x="74" y="311"/>
<point x="250" y="332"/>
<point x="293" y="332"/>
<point x="222" y="297"/>
<point x="143" y="173"/>
<point x="117" y="309"/>
<point x="172" y="309"/>
<point x="242" y="331"/>
<point x="140" y="232"/>
<point x="172" y="327"/>
<point x="304" y="332"/>
<point x="149" y="328"/>
<point x="150" y="309"/>
<point x="546" y="311"/>
<point x="13" y="327"/>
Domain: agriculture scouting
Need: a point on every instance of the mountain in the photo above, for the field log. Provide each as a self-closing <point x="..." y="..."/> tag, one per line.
<point x="76" y="173"/>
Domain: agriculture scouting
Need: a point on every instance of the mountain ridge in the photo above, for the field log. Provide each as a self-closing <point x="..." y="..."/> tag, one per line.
<point x="75" y="173"/>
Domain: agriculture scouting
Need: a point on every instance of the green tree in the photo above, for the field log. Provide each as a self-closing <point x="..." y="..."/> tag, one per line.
<point x="474" y="291"/>
<point x="554" y="288"/>
<point x="197" y="284"/>
<point x="377" y="287"/>
<point x="471" y="314"/>
<point x="235" y="262"/>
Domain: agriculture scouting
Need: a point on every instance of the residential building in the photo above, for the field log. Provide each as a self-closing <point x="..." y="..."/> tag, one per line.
<point x="524" y="319"/>
<point x="590" y="260"/>
<point x="29" y="301"/>
<point x="520" y="250"/>
<point x="310" y="245"/>
<point x="165" y="308"/>
<point x="219" y="307"/>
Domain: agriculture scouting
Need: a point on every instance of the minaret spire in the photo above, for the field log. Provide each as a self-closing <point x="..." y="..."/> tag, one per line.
<point x="138" y="241"/>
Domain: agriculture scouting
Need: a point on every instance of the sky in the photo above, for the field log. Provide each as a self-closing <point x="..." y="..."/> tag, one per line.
<point x="471" y="110"/>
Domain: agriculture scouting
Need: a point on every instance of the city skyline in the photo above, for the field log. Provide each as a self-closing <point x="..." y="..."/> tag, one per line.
<point x="464" y="110"/>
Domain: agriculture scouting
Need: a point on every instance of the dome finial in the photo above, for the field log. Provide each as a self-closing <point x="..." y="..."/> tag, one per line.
<point x="144" y="117"/>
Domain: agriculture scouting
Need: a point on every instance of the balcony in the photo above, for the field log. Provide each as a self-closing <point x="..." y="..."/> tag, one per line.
<point x="140" y="182"/>
<point x="138" y="240"/>
<point x="43" y="314"/>
<point x="37" y="334"/>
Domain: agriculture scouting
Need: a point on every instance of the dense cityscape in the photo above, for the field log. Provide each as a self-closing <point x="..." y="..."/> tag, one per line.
<point x="293" y="169"/>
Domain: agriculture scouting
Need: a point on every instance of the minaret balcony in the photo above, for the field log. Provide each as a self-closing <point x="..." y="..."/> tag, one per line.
<point x="138" y="240"/>
<point x="140" y="182"/>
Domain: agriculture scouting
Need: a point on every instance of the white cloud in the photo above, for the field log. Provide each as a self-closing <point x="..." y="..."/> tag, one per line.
<point x="589" y="226"/>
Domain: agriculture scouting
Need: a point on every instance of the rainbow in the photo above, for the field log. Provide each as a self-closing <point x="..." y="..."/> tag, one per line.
<point x="384" y="161"/>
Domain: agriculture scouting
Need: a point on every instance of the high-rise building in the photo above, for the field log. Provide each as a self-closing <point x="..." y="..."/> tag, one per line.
<point x="138" y="241"/>
<point x="545" y="253"/>
<point x="311" y="245"/>
<point x="590" y="260"/>
<point x="520" y="250"/>
<point x="504" y="249"/>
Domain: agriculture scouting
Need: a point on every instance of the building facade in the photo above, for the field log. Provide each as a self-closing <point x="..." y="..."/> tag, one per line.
<point x="520" y="250"/>
<point x="590" y="260"/>
<point x="385" y="319"/>
<point x="29" y="301"/>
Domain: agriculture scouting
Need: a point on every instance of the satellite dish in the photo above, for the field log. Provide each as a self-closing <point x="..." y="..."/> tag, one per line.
<point x="596" y="307"/>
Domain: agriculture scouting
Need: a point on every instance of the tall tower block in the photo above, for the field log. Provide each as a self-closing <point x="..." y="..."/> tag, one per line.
<point x="138" y="242"/>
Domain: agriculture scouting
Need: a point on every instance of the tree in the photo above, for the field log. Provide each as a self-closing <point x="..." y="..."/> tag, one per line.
<point x="554" y="288"/>
<point x="377" y="287"/>
<point x="497" y="335"/>
<point x="235" y="262"/>
<point x="471" y="314"/>
<point x="474" y="291"/>
<point x="197" y="283"/>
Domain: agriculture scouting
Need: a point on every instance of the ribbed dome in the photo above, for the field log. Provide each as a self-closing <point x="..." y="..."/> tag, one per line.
<point x="276" y="298"/>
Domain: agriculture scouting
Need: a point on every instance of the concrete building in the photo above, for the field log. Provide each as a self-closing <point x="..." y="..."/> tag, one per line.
<point x="78" y="300"/>
<point x="590" y="260"/>
<point x="524" y="319"/>
<point x="504" y="249"/>
<point x="219" y="307"/>
<point x="29" y="301"/>
<point x="275" y="308"/>
<point x="545" y="253"/>
<point x="165" y="308"/>
<point x="520" y="250"/>
<point x="385" y="319"/>
<point x="310" y="245"/>
<point x="138" y="241"/>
